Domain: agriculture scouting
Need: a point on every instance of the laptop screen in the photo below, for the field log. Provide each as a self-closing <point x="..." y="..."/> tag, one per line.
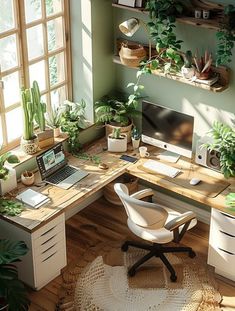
<point x="51" y="160"/>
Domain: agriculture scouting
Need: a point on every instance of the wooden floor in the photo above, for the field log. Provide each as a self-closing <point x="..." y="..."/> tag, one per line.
<point x="102" y="221"/>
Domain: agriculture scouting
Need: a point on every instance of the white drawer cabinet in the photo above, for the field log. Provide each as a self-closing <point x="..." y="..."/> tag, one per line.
<point x="221" y="253"/>
<point x="47" y="251"/>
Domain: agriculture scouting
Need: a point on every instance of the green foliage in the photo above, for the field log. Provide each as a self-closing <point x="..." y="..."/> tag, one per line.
<point x="226" y="37"/>
<point x="53" y="117"/>
<point x="116" y="133"/>
<point x="11" y="288"/>
<point x="72" y="121"/>
<point x="188" y="59"/>
<point x="10" y="207"/>
<point x="28" y="114"/>
<point x="10" y="158"/>
<point x="230" y="201"/>
<point x="135" y="134"/>
<point x="224" y="142"/>
<point x="39" y="106"/>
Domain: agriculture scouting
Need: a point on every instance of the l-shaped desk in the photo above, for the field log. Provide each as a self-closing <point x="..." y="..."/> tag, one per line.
<point x="43" y="229"/>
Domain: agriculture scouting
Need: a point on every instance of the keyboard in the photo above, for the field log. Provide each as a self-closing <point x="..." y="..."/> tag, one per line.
<point x="62" y="174"/>
<point x="161" y="168"/>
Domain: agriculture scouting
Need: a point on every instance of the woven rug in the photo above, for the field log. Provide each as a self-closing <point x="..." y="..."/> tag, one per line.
<point x="98" y="281"/>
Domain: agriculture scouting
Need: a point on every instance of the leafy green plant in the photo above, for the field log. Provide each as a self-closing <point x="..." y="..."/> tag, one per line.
<point x="230" y="201"/>
<point x="10" y="207"/>
<point x="225" y="36"/>
<point x="224" y="142"/>
<point x="10" y="158"/>
<point x="53" y="117"/>
<point x="72" y="122"/>
<point x="12" y="290"/>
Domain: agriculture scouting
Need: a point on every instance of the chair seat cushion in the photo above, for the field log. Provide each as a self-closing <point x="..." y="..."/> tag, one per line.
<point x="155" y="234"/>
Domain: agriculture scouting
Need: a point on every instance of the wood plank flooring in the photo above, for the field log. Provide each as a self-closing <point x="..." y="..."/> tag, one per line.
<point x="102" y="221"/>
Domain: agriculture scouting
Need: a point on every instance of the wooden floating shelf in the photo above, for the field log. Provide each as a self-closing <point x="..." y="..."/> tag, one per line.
<point x="218" y="87"/>
<point x="129" y="8"/>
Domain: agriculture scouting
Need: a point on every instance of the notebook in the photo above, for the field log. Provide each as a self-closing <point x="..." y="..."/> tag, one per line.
<point x="54" y="169"/>
<point x="32" y="198"/>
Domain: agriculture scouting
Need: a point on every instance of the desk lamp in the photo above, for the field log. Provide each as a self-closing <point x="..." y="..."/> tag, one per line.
<point x="130" y="26"/>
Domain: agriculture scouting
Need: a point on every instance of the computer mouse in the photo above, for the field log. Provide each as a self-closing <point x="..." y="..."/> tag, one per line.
<point x="194" y="181"/>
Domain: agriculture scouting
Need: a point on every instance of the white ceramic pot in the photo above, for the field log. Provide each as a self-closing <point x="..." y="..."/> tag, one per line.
<point x="10" y="183"/>
<point x="188" y="73"/>
<point x="29" y="146"/>
<point x="117" y="145"/>
<point x="27" y="178"/>
<point x="135" y="143"/>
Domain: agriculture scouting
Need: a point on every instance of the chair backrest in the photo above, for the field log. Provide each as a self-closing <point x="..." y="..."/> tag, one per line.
<point x="142" y="213"/>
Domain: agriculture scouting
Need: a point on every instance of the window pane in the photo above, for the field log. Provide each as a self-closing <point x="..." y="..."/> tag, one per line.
<point x="8" y="53"/>
<point x="14" y="121"/>
<point x="33" y="10"/>
<point x="11" y="89"/>
<point x="6" y="15"/>
<point x="37" y="72"/>
<point x="53" y="7"/>
<point x="56" y="68"/>
<point x="35" y="42"/>
<point x="58" y="96"/>
<point x="55" y="34"/>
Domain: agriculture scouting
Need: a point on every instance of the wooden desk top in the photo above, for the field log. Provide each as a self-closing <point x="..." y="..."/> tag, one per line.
<point x="62" y="200"/>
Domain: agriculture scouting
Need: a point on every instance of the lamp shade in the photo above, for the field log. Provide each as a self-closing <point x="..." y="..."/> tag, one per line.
<point x="129" y="27"/>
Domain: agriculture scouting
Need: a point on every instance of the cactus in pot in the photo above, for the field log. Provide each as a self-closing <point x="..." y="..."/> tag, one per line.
<point x="40" y="107"/>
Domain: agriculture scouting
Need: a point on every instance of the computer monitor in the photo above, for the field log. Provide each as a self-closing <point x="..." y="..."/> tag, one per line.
<point x="167" y="129"/>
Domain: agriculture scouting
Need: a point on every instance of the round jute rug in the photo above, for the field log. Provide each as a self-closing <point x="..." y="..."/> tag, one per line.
<point x="98" y="281"/>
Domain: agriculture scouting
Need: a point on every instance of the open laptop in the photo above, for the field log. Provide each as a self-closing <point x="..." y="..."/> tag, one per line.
<point x="54" y="168"/>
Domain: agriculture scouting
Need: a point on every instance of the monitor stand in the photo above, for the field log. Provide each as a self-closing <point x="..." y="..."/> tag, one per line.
<point x="169" y="156"/>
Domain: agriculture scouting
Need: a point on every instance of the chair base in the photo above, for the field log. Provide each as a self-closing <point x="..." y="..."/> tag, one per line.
<point x="156" y="250"/>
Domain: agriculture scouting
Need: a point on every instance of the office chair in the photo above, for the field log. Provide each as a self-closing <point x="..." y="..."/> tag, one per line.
<point x="154" y="223"/>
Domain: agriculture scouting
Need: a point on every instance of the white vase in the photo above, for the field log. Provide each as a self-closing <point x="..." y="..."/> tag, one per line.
<point x="10" y="183"/>
<point x="188" y="73"/>
<point x="135" y="143"/>
<point x="117" y="144"/>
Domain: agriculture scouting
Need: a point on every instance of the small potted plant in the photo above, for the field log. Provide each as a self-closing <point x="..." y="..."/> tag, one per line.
<point x="53" y="120"/>
<point x="135" y="137"/>
<point x="117" y="141"/>
<point x="8" y="180"/>
<point x="188" y="69"/>
<point x="203" y="66"/>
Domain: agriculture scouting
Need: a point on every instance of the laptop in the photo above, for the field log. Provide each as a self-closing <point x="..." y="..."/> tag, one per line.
<point x="54" y="168"/>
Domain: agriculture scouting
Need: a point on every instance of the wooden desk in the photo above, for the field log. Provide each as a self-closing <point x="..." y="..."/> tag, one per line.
<point x="44" y="229"/>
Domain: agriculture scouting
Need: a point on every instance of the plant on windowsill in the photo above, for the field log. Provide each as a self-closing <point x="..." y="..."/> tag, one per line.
<point x="72" y="122"/>
<point x="7" y="175"/>
<point x="224" y="142"/>
<point x="53" y="120"/>
<point x="13" y="295"/>
<point x="117" y="141"/>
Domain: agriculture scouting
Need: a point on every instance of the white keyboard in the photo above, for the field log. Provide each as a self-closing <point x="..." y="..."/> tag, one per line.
<point x="161" y="168"/>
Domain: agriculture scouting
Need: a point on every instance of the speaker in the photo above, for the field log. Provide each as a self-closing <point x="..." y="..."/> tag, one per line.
<point x="205" y="157"/>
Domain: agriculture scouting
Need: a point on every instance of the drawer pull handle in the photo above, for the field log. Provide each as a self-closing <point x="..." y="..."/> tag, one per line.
<point x="49" y="256"/>
<point x="232" y="236"/>
<point x="48" y="240"/>
<point x="48" y="231"/>
<point x="223" y="250"/>
<point x="228" y="216"/>
<point x="49" y="248"/>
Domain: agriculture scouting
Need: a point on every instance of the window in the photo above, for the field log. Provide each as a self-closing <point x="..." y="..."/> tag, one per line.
<point x="34" y="45"/>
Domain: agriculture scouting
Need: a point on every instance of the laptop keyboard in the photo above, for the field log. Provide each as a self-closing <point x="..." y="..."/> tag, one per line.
<point x="62" y="174"/>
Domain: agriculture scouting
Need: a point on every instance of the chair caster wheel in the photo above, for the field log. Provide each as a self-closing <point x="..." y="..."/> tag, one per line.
<point x="173" y="278"/>
<point x="192" y="254"/>
<point x="124" y="247"/>
<point x="131" y="272"/>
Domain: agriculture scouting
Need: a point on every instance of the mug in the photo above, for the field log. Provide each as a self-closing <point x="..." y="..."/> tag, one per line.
<point x="143" y="152"/>
<point x="197" y="13"/>
<point x="206" y="14"/>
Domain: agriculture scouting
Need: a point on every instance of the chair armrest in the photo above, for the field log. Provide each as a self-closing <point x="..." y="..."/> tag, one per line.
<point x="180" y="220"/>
<point x="142" y="194"/>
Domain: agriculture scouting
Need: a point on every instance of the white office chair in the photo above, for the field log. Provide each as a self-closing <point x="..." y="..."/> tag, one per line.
<point x="154" y="223"/>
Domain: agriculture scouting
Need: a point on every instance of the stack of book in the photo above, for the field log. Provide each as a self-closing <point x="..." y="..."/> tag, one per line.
<point x="32" y="198"/>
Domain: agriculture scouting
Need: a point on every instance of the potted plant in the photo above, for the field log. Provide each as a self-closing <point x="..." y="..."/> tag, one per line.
<point x="117" y="141"/>
<point x="188" y="69"/>
<point x="224" y="142"/>
<point x="29" y="140"/>
<point x="72" y="122"/>
<point x="45" y="135"/>
<point x="53" y="120"/>
<point x="135" y="137"/>
<point x="203" y="66"/>
<point x="13" y="295"/>
<point x="7" y="175"/>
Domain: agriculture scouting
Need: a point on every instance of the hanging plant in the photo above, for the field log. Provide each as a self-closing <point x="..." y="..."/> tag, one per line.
<point x="226" y="37"/>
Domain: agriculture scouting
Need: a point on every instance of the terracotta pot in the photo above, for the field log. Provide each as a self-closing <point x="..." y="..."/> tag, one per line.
<point x="117" y="144"/>
<point x="132" y="54"/>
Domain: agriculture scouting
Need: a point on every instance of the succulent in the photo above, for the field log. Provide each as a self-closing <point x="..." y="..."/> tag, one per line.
<point x="135" y="134"/>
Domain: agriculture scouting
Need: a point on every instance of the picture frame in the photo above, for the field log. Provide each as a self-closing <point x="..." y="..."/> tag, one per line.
<point x="130" y="3"/>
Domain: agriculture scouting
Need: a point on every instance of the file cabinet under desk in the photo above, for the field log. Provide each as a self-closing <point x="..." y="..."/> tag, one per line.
<point x="47" y="251"/>
<point x="221" y="253"/>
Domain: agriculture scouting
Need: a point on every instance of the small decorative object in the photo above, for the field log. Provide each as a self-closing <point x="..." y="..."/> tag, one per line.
<point x="127" y="2"/>
<point x="143" y="152"/>
<point x="197" y="13"/>
<point x="188" y="70"/>
<point x="27" y="178"/>
<point x="117" y="142"/>
<point x="206" y="14"/>
<point x="135" y="137"/>
<point x="8" y="180"/>
<point x="203" y="66"/>
<point x="132" y="54"/>
<point x="53" y="120"/>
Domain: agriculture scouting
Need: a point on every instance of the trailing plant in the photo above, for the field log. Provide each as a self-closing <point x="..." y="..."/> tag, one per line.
<point x="28" y="114"/>
<point x="39" y="106"/>
<point x="10" y="207"/>
<point x="224" y="142"/>
<point x="10" y="158"/>
<point x="12" y="290"/>
<point x="53" y="117"/>
<point x="72" y="122"/>
<point x="225" y="36"/>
